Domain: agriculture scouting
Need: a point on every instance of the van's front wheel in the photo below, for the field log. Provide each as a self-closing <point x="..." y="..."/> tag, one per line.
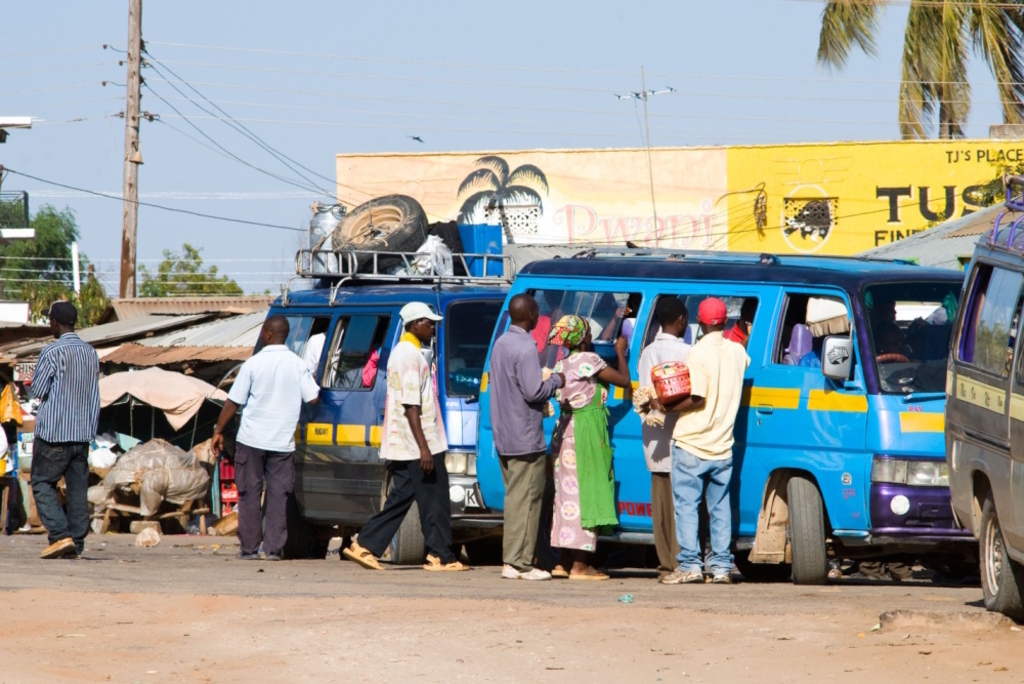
<point x="807" y="532"/>
<point x="1001" y="577"/>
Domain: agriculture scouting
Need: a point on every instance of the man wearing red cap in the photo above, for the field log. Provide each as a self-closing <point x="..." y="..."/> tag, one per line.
<point x="702" y="446"/>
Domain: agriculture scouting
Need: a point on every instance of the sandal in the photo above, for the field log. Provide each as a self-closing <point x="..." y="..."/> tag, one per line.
<point x="559" y="572"/>
<point x="362" y="556"/>
<point x="434" y="564"/>
<point x="594" y="576"/>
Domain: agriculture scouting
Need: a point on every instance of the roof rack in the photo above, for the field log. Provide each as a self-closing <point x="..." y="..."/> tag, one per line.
<point x="1014" y="203"/>
<point x="358" y="266"/>
<point x="674" y="254"/>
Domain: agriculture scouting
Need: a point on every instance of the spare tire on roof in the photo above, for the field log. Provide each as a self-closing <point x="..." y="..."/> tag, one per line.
<point x="392" y="223"/>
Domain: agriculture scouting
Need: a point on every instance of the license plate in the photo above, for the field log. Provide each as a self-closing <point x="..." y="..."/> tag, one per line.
<point x="472" y="499"/>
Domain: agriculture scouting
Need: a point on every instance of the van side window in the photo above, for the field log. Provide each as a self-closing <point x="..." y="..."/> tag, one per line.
<point x="991" y="320"/>
<point x="610" y="314"/>
<point x="356" y="349"/>
<point x="802" y="334"/>
<point x="306" y="337"/>
<point x="737" y="327"/>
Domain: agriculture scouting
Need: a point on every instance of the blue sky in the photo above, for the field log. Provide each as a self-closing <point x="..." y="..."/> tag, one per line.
<point x="317" y="78"/>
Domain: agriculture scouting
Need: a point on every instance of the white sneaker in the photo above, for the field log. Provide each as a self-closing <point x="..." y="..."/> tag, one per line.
<point x="508" y="572"/>
<point x="535" y="575"/>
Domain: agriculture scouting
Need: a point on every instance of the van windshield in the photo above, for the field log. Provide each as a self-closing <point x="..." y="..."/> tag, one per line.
<point x="910" y="325"/>
<point x="468" y="327"/>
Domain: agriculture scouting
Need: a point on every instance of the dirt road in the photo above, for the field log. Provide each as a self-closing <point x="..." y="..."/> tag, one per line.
<point x="188" y="611"/>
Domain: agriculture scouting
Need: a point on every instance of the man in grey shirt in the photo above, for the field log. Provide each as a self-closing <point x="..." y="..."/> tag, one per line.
<point x="518" y="393"/>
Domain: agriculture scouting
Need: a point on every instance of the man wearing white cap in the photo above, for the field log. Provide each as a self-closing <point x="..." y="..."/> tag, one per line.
<point x="414" y="444"/>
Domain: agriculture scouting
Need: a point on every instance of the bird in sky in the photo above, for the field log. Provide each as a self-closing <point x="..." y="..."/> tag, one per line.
<point x="415" y="137"/>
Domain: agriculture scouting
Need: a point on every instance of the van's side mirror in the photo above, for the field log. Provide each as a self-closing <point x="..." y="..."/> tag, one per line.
<point x="837" y="358"/>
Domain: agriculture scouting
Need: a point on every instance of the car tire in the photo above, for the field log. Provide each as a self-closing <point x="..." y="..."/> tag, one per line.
<point x="300" y="534"/>
<point x="407" y="546"/>
<point x="1001" y="576"/>
<point x="762" y="572"/>
<point x="392" y="223"/>
<point x="807" y="532"/>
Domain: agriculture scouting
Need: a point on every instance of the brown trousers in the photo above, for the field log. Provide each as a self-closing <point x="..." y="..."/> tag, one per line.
<point x="664" y="514"/>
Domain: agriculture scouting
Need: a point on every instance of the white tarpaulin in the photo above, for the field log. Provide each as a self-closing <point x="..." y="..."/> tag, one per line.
<point x="178" y="396"/>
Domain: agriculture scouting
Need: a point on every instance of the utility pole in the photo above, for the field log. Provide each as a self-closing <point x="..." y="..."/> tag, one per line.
<point x="650" y="170"/>
<point x="132" y="156"/>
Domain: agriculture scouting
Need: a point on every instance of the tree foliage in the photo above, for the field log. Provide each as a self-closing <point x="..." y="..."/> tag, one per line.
<point x="40" y="271"/>
<point x="501" y="186"/>
<point x="183" y="275"/>
<point x="938" y="38"/>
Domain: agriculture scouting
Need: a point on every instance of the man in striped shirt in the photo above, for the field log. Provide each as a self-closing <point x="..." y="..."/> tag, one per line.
<point x="66" y="381"/>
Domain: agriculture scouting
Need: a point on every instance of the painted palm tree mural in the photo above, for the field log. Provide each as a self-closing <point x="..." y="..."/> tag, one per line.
<point x="496" y="187"/>
<point x="938" y="39"/>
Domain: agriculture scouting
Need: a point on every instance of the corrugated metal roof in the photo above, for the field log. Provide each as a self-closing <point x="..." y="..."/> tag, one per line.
<point x="107" y="334"/>
<point x="139" y="355"/>
<point x="943" y="245"/>
<point x="236" y="331"/>
<point x="135" y="307"/>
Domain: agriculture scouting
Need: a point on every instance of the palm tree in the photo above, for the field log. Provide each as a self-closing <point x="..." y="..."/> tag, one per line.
<point x="501" y="186"/>
<point x="935" y="47"/>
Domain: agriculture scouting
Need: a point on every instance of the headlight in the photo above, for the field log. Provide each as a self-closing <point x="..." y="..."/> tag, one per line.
<point x="455" y="463"/>
<point x="910" y="472"/>
<point x="928" y="473"/>
<point x="460" y="463"/>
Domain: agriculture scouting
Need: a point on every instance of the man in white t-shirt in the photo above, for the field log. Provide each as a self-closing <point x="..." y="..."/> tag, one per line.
<point x="272" y="385"/>
<point x="414" y="445"/>
<point x="702" y="446"/>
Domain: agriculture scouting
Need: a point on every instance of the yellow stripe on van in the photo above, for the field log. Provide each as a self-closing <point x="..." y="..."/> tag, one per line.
<point x="1017" y="407"/>
<point x="351" y="435"/>
<point x="618" y="393"/>
<point x="824" y="400"/>
<point x="376" y="433"/>
<point x="483" y="382"/>
<point x="981" y="395"/>
<point x="922" y="422"/>
<point x="319" y="433"/>
<point x="776" y="397"/>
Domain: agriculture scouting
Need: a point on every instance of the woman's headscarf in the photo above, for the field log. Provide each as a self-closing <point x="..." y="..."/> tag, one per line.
<point x="800" y="342"/>
<point x="569" y="331"/>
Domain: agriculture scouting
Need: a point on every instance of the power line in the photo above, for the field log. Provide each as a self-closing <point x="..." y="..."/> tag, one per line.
<point x="375" y="77"/>
<point x="41" y="53"/>
<point x="157" y="206"/>
<point x="76" y="67"/>
<point x="493" y="67"/>
<point x="228" y="153"/>
<point x="280" y="156"/>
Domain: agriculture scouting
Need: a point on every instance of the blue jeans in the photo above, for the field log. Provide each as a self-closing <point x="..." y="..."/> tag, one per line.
<point x="50" y="462"/>
<point x="689" y="475"/>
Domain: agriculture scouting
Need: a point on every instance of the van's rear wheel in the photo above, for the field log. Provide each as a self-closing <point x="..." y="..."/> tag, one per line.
<point x="807" y="532"/>
<point x="408" y="547"/>
<point x="762" y="572"/>
<point x="1001" y="577"/>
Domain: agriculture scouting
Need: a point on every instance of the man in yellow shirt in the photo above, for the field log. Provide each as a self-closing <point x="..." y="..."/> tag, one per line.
<point x="702" y="446"/>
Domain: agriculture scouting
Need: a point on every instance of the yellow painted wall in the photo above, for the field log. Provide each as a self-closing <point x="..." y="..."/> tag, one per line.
<point x="844" y="198"/>
<point x="834" y="198"/>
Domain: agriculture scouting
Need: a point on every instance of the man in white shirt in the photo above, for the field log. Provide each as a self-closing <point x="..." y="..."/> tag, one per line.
<point x="272" y="385"/>
<point x="414" y="443"/>
<point x="702" y="446"/>
<point x="668" y="346"/>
